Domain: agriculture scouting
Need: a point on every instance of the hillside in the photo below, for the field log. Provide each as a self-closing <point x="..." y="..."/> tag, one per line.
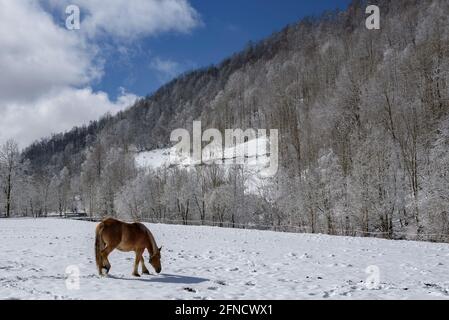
<point x="148" y="123"/>
<point x="212" y="263"/>
<point x="363" y="142"/>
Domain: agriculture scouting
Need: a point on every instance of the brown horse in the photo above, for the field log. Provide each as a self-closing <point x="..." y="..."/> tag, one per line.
<point x="113" y="234"/>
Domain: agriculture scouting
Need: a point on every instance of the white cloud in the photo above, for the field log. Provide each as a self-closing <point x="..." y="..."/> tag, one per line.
<point x="57" y="111"/>
<point x="46" y="71"/>
<point x="166" y="68"/>
<point x="126" y="19"/>
<point x="36" y="55"/>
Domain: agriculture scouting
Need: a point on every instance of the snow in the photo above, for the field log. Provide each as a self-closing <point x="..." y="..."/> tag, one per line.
<point x="215" y="263"/>
<point x="254" y="155"/>
<point x="153" y="159"/>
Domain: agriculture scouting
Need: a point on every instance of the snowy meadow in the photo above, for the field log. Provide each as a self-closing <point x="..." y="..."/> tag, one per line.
<point x="54" y="259"/>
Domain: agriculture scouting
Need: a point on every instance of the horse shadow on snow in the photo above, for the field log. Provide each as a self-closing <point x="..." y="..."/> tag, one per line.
<point x="165" y="278"/>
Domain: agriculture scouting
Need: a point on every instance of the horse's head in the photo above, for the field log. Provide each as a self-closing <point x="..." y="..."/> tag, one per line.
<point x="155" y="260"/>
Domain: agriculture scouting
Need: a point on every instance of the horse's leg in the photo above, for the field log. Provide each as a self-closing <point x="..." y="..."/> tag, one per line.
<point x="136" y="263"/>
<point x="144" y="268"/>
<point x="105" y="254"/>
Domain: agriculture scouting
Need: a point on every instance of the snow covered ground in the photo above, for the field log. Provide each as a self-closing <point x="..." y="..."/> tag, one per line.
<point x="214" y="263"/>
<point x="254" y="155"/>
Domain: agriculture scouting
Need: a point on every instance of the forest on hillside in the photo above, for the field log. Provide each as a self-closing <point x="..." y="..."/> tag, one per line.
<point x="363" y="117"/>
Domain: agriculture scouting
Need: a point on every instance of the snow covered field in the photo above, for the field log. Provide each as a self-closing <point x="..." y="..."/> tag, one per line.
<point x="214" y="263"/>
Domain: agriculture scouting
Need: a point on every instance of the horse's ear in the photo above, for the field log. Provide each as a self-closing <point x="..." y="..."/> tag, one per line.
<point x="160" y="249"/>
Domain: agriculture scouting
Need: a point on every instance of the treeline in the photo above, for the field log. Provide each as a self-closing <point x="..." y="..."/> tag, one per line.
<point x="364" y="140"/>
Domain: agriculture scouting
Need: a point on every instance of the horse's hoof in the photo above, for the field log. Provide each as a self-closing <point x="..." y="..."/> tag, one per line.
<point x="146" y="272"/>
<point x="136" y="275"/>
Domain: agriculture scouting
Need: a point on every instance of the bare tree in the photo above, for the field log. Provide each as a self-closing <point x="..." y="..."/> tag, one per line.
<point x="9" y="172"/>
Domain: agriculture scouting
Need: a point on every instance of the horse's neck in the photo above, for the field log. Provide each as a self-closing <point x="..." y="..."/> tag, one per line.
<point x="152" y="246"/>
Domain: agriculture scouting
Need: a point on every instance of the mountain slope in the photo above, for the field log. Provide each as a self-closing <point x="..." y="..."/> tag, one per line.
<point x="360" y="113"/>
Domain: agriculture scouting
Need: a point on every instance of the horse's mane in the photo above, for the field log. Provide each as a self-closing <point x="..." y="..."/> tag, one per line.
<point x="154" y="248"/>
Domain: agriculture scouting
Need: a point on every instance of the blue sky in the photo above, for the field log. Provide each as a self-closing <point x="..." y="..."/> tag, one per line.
<point x="227" y="26"/>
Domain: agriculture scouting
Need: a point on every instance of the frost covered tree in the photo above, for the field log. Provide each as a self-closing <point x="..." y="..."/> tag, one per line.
<point x="10" y="173"/>
<point x="60" y="190"/>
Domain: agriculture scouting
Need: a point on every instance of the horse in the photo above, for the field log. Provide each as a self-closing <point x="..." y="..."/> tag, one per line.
<point x="113" y="234"/>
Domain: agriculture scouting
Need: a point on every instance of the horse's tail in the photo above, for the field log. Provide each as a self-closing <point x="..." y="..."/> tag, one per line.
<point x="99" y="246"/>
